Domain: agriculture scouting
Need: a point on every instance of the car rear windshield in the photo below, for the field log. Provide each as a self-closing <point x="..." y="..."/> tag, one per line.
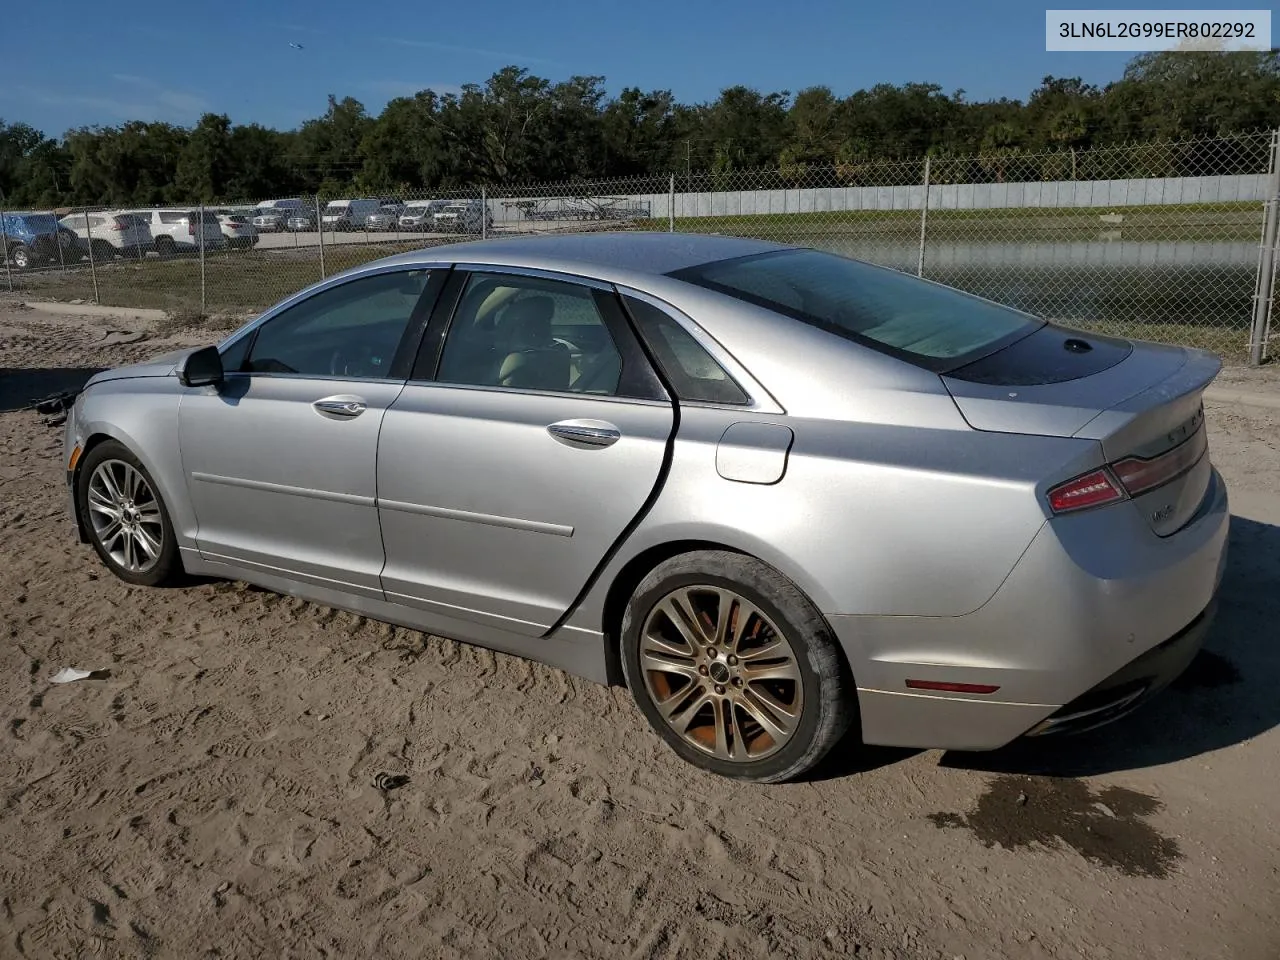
<point x="335" y="207"/>
<point x="928" y="324"/>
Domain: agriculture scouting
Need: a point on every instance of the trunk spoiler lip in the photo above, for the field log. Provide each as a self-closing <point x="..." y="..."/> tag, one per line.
<point x="1192" y="377"/>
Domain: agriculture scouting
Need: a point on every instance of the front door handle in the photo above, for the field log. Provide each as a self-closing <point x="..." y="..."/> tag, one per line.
<point x="340" y="408"/>
<point x="585" y="433"/>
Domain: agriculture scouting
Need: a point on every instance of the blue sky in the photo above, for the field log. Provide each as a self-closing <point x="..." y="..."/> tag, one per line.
<point x="77" y="62"/>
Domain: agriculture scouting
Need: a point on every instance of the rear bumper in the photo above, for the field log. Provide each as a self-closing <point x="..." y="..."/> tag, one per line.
<point x="1133" y="684"/>
<point x="1098" y="614"/>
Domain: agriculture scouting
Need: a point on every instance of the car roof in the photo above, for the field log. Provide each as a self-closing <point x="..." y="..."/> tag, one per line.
<point x="606" y="256"/>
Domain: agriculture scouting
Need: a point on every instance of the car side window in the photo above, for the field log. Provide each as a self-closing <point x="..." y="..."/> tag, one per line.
<point x="351" y="330"/>
<point x="530" y="333"/>
<point x="692" y="371"/>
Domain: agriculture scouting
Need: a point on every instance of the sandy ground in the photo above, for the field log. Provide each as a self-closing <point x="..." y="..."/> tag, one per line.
<point x="211" y="792"/>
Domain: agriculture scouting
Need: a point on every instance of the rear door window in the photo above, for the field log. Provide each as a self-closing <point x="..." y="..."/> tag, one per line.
<point x="533" y="334"/>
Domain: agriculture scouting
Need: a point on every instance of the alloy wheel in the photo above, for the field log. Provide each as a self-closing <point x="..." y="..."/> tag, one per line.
<point x="720" y="673"/>
<point x="125" y="515"/>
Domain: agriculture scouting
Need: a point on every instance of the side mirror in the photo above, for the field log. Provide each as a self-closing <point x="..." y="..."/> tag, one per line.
<point x="202" y="368"/>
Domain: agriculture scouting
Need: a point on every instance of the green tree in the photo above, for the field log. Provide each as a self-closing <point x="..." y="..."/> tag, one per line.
<point x="204" y="166"/>
<point x="517" y="126"/>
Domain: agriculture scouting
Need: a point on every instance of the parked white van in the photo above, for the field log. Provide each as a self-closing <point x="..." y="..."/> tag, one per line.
<point x="420" y="214"/>
<point x="290" y="204"/>
<point x="463" y="216"/>
<point x="348" y="214"/>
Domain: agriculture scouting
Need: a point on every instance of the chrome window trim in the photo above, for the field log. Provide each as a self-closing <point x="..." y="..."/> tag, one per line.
<point x="268" y="374"/>
<point x="759" y="399"/>
<point x="535" y="273"/>
<point x="508" y="391"/>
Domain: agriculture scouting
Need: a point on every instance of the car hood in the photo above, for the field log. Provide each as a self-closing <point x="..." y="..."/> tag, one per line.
<point x="161" y="366"/>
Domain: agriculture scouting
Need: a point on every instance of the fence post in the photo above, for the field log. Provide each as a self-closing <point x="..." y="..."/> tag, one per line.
<point x="4" y="243"/>
<point x="484" y="214"/>
<point x="93" y="266"/>
<point x="57" y="241"/>
<point x="924" y="218"/>
<point x="202" y="294"/>
<point x="320" y="233"/>
<point x="671" y="205"/>
<point x="1263" y="284"/>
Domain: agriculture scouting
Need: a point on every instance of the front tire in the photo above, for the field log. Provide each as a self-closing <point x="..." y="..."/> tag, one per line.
<point x="734" y="667"/>
<point x="128" y="522"/>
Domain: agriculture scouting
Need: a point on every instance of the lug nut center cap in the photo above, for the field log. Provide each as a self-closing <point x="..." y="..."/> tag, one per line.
<point x="719" y="672"/>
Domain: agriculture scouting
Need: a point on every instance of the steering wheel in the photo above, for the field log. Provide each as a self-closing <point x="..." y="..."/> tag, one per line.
<point x="357" y="361"/>
<point x="573" y="348"/>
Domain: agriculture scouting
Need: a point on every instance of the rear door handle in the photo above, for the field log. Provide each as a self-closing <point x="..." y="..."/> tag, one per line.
<point x="340" y="408"/>
<point x="585" y="433"/>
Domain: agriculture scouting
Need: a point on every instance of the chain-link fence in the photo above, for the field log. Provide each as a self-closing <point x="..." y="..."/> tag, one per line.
<point x="1169" y="241"/>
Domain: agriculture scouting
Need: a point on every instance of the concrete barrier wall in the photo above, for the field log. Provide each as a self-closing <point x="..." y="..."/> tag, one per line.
<point x="1065" y="194"/>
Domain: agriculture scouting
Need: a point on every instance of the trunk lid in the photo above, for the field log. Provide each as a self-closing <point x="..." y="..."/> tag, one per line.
<point x="1142" y="402"/>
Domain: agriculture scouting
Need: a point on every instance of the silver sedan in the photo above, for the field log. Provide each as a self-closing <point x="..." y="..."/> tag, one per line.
<point x="780" y="494"/>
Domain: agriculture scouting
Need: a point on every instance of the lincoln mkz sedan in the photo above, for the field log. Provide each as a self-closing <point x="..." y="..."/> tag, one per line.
<point x="780" y="494"/>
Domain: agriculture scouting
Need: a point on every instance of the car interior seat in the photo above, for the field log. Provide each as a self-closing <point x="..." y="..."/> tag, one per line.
<point x="534" y="360"/>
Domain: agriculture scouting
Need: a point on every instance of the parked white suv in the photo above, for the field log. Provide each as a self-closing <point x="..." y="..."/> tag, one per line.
<point x="237" y="229"/>
<point x="175" y="229"/>
<point x="111" y="233"/>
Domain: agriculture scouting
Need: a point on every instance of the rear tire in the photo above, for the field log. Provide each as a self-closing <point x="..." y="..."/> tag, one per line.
<point x="103" y="252"/>
<point x="165" y="246"/>
<point x="752" y="685"/>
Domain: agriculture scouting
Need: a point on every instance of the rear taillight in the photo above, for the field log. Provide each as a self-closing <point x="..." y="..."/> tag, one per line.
<point x="1139" y="476"/>
<point x="1091" y="489"/>
<point x="191" y="228"/>
<point x="121" y="224"/>
<point x="1129" y="477"/>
